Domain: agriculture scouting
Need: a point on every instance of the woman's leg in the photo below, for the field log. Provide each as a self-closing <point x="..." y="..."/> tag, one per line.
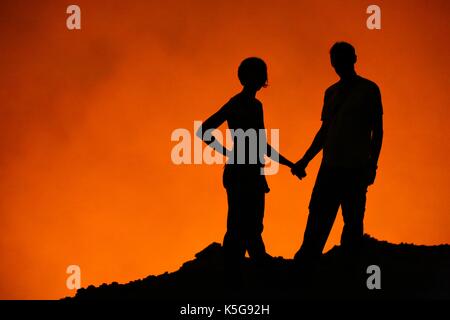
<point x="233" y="243"/>
<point x="255" y="216"/>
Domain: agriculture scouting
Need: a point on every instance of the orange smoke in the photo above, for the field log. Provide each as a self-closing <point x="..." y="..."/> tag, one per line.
<point x="86" y="118"/>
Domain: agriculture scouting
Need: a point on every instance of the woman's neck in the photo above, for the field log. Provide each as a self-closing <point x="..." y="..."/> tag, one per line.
<point x="249" y="92"/>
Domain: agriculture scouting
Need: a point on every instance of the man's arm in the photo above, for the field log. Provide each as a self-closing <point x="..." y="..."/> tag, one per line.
<point x="319" y="139"/>
<point x="313" y="150"/>
<point x="377" y="137"/>
<point x="377" y="141"/>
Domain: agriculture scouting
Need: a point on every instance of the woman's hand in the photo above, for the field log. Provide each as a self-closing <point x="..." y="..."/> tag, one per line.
<point x="299" y="169"/>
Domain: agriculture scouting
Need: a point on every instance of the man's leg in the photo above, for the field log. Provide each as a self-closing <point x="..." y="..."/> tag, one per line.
<point x="353" y="207"/>
<point x="323" y="209"/>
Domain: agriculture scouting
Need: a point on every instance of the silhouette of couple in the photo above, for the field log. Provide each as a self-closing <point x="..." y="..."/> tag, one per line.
<point x="350" y="137"/>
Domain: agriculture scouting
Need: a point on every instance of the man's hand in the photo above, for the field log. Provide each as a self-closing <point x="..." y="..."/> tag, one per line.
<point x="299" y="169"/>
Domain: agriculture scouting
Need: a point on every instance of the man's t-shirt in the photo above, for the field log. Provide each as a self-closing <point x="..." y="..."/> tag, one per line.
<point x="349" y="112"/>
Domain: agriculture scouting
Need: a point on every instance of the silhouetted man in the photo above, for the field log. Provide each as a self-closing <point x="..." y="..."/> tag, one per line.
<point x="350" y="137"/>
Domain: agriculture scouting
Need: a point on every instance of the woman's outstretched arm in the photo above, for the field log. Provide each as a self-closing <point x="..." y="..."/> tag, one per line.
<point x="273" y="154"/>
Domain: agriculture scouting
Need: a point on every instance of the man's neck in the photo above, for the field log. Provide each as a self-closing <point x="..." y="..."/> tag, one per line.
<point x="351" y="75"/>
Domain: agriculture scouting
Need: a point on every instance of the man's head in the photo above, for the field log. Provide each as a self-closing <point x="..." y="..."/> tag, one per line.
<point x="343" y="59"/>
<point x="252" y="73"/>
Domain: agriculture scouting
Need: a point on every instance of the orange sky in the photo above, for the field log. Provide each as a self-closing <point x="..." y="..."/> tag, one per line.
<point x="86" y="117"/>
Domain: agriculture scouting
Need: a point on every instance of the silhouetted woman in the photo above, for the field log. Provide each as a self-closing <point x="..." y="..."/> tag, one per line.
<point x="243" y="179"/>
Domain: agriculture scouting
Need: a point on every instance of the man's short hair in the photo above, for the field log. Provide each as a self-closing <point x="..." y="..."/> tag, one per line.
<point x="343" y="52"/>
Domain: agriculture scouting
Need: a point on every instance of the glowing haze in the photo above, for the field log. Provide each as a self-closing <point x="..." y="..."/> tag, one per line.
<point x="86" y="176"/>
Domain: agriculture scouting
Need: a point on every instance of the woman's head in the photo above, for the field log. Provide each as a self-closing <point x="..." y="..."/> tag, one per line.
<point x="252" y="73"/>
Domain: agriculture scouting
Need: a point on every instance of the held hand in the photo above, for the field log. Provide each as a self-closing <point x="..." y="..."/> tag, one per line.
<point x="299" y="174"/>
<point x="299" y="169"/>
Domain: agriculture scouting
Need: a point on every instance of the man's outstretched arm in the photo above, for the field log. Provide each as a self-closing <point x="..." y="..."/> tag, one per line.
<point x="313" y="150"/>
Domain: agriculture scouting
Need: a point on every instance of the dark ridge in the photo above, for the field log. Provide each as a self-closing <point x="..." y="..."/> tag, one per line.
<point x="407" y="271"/>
